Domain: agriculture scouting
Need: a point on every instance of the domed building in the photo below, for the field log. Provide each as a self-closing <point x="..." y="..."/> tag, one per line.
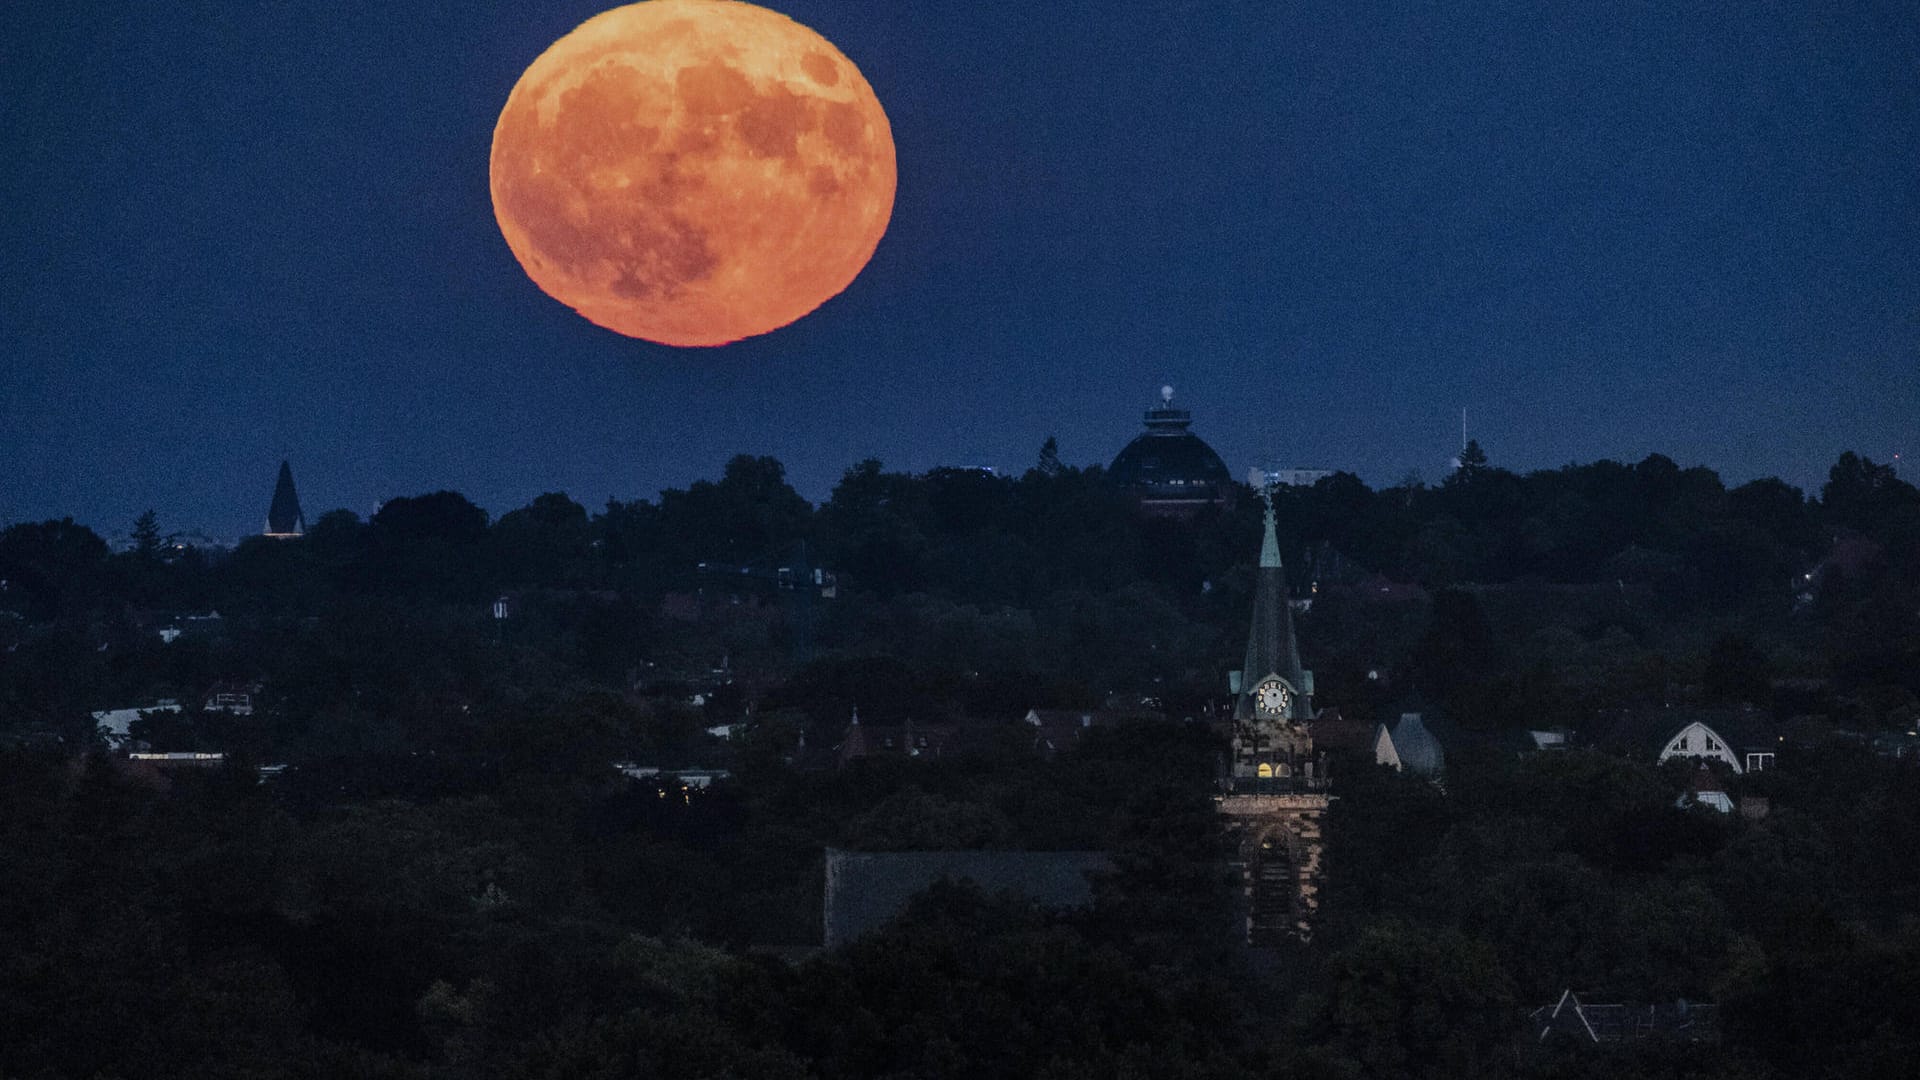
<point x="1170" y="470"/>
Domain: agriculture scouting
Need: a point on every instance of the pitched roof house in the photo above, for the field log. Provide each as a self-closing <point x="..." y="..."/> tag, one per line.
<point x="1744" y="740"/>
<point x="1572" y="1019"/>
<point x="907" y="740"/>
<point x="1705" y="789"/>
<point x="1333" y="731"/>
<point x="1407" y="743"/>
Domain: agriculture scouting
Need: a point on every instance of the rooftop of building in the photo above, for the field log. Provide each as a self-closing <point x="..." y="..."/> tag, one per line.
<point x="1168" y="461"/>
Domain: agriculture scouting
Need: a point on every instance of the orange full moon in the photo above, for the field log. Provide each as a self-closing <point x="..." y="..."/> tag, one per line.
<point x="692" y="172"/>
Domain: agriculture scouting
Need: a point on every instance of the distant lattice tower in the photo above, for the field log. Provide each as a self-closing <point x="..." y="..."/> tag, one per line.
<point x="284" y="519"/>
<point x="1275" y="788"/>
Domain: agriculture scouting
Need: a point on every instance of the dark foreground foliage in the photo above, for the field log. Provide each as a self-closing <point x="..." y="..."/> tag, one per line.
<point x="217" y="926"/>
<point x="450" y="880"/>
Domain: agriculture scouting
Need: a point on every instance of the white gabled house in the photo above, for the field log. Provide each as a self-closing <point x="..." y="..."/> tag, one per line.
<point x="1743" y="740"/>
<point x="1701" y="740"/>
<point x="1408" y="744"/>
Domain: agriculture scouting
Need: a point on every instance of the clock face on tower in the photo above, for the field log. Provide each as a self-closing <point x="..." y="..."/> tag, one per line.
<point x="1271" y="697"/>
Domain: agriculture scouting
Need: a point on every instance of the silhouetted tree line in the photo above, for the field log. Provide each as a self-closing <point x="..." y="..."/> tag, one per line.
<point x="985" y="538"/>
<point x="1505" y="597"/>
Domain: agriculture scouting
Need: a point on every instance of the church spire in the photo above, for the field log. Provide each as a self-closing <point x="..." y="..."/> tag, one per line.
<point x="1270" y="543"/>
<point x="1271" y="648"/>
<point x="284" y="519"/>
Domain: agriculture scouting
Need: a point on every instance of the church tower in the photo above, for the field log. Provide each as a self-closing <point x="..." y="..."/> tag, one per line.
<point x="284" y="519"/>
<point x="1275" y="788"/>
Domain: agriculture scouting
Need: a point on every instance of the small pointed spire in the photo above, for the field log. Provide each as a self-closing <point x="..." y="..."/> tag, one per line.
<point x="284" y="518"/>
<point x="1270" y="543"/>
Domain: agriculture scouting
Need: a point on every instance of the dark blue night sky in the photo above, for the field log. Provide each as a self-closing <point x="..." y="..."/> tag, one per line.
<point x="243" y="232"/>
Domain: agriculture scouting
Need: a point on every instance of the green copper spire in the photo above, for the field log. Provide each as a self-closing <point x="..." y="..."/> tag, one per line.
<point x="1271" y="649"/>
<point x="1270" y="546"/>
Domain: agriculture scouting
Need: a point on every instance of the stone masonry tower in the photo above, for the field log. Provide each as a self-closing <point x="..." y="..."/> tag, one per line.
<point x="1275" y="787"/>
